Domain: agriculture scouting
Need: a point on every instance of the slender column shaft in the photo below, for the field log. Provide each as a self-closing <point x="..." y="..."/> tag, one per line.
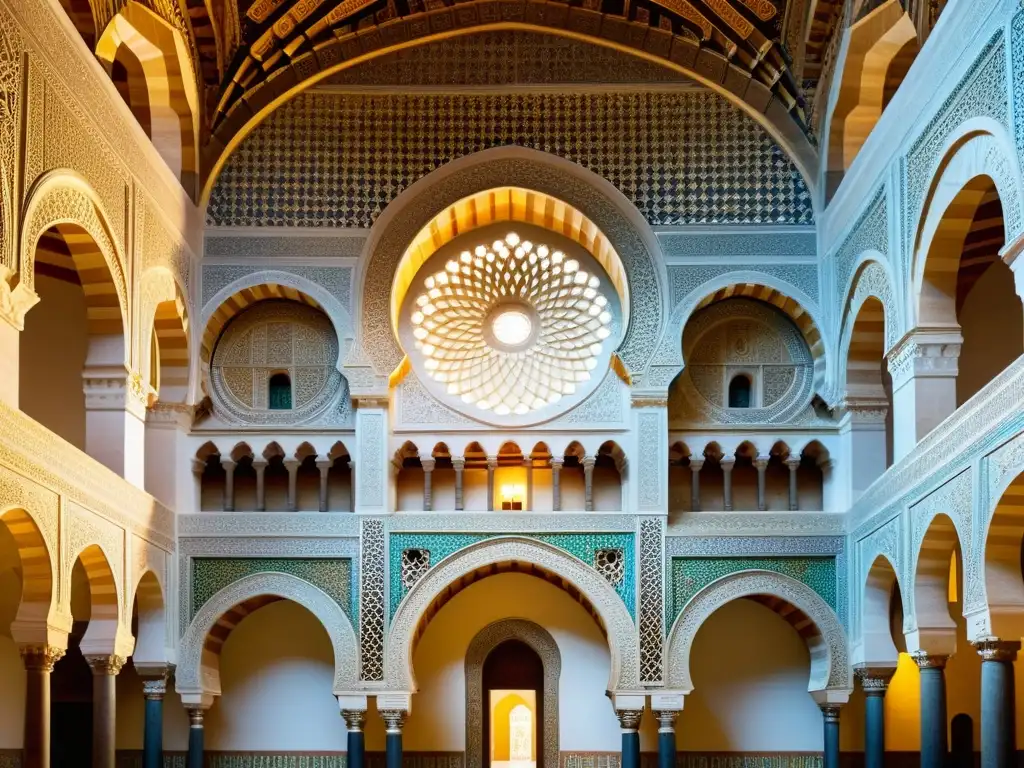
<point x="629" y="720"/>
<point x="934" y="739"/>
<point x="793" y="464"/>
<point x="198" y="470"/>
<point x="153" y="689"/>
<point x="324" y="465"/>
<point x="459" y="464"/>
<point x="492" y="464"/>
<point x="727" y="465"/>
<point x="428" y="483"/>
<point x="667" y="738"/>
<point x="229" y="485"/>
<point x="830" y="715"/>
<point x="104" y="709"/>
<point x="195" y="738"/>
<point x="528" y="500"/>
<point x="351" y="486"/>
<point x="761" y="464"/>
<point x="875" y="682"/>
<point x="292" y="465"/>
<point x="588" y="483"/>
<point x="39" y="663"/>
<point x="260" y="466"/>
<point x="998" y="716"/>
<point x="556" y="483"/>
<point x="356" y="753"/>
<point x="394" y="719"/>
<point x="695" y="467"/>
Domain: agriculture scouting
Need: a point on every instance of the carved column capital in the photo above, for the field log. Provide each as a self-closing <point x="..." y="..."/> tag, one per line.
<point x="428" y="464"/>
<point x="40" y="658"/>
<point x="629" y="719"/>
<point x="324" y="465"/>
<point x="228" y="465"/>
<point x="195" y="716"/>
<point x="997" y="650"/>
<point x="394" y="719"/>
<point x="667" y="720"/>
<point x="924" y="661"/>
<point x="292" y="465"/>
<point x="925" y="352"/>
<point x="792" y="463"/>
<point x="492" y="463"/>
<point x="556" y="463"/>
<point x="874" y="680"/>
<point x="727" y="463"/>
<point x="761" y="463"/>
<point x="588" y="463"/>
<point x="355" y="719"/>
<point x="696" y="465"/>
<point x="458" y="463"/>
<point x="830" y="712"/>
<point x="154" y="689"/>
<point x="105" y="665"/>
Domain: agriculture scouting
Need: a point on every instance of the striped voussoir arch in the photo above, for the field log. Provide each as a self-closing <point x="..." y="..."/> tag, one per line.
<point x="67" y="252"/>
<point x="792" y="308"/>
<point x="800" y="621"/>
<point x="241" y="300"/>
<point x="36" y="568"/>
<point x="1002" y="548"/>
<point x="231" y="618"/>
<point x="102" y="585"/>
<point x="170" y="326"/>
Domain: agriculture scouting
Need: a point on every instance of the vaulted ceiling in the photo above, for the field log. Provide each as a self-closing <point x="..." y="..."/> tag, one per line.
<point x="251" y="54"/>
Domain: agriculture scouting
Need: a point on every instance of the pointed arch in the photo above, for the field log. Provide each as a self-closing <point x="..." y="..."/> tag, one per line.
<point x="198" y="673"/>
<point x="881" y="594"/>
<point x="534" y="557"/>
<point x="164" y="311"/>
<point x="38" y="573"/>
<point x="797" y="603"/>
<point x="104" y="635"/>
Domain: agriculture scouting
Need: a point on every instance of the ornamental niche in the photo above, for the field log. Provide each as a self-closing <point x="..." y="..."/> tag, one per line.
<point x="276" y="363"/>
<point x="746" y="363"/>
<point x="510" y="324"/>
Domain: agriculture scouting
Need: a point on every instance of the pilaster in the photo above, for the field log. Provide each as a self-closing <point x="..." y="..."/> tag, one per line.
<point x="374" y="487"/>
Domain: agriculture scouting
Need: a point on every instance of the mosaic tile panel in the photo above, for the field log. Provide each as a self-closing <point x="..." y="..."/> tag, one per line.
<point x="691" y="574"/>
<point x="337" y="160"/>
<point x="334" y="576"/>
<point x="581" y="545"/>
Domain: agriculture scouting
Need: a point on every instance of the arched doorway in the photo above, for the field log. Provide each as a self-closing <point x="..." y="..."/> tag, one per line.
<point x="513" y="688"/>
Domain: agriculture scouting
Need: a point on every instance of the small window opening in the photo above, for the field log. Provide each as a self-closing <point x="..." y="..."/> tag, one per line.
<point x="280" y="392"/>
<point x="739" y="392"/>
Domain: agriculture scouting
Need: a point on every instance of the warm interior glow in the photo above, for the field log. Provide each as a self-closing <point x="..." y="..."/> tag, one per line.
<point x="511" y="493"/>
<point x="513" y="729"/>
<point x="512" y="327"/>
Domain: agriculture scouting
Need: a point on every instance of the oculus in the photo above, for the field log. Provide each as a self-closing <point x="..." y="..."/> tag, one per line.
<point x="513" y="325"/>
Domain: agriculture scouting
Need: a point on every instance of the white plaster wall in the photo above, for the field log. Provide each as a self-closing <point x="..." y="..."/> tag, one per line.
<point x="992" y="324"/>
<point x="749" y="696"/>
<point x="12" y="671"/>
<point x="53" y="349"/>
<point x="586" y="719"/>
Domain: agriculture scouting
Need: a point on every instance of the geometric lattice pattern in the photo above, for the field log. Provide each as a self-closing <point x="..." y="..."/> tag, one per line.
<point x="371" y="601"/>
<point x="415" y="564"/>
<point x="212" y="574"/>
<point x="511" y="328"/>
<point x="689" y="158"/>
<point x="611" y="563"/>
<point x="651" y="622"/>
<point x="584" y="546"/>
<point x="691" y="574"/>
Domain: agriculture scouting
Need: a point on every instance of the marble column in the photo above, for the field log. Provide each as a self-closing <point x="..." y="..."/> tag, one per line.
<point x="556" y="483"/>
<point x="39" y="661"/>
<point x="229" y="485"/>
<point x="394" y="719"/>
<point x="459" y="465"/>
<point x="153" y="689"/>
<point x="588" y="483"/>
<point x="761" y="465"/>
<point x="104" y="708"/>
<point x="528" y="497"/>
<point x="629" y="721"/>
<point x="727" y="463"/>
<point x="260" y="466"/>
<point x="830" y="717"/>
<point x="934" y="738"/>
<point x="198" y="470"/>
<point x="492" y="464"/>
<point x="194" y="758"/>
<point x="695" y="467"/>
<point x="351" y="486"/>
<point x="324" y="465"/>
<point x="998" y="715"/>
<point x="667" y="737"/>
<point x="292" y="465"/>
<point x="875" y="682"/>
<point x="355" y="755"/>
<point x="793" y="464"/>
<point x="428" y="483"/>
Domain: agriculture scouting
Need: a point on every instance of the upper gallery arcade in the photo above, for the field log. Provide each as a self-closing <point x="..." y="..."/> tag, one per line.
<point x="519" y="370"/>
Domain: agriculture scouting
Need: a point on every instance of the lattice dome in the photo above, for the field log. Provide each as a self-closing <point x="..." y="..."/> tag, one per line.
<point x="511" y="326"/>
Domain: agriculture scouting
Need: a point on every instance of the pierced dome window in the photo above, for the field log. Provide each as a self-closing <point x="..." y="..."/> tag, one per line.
<point x="739" y="392"/>
<point x="280" y="394"/>
<point x="510" y="326"/>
